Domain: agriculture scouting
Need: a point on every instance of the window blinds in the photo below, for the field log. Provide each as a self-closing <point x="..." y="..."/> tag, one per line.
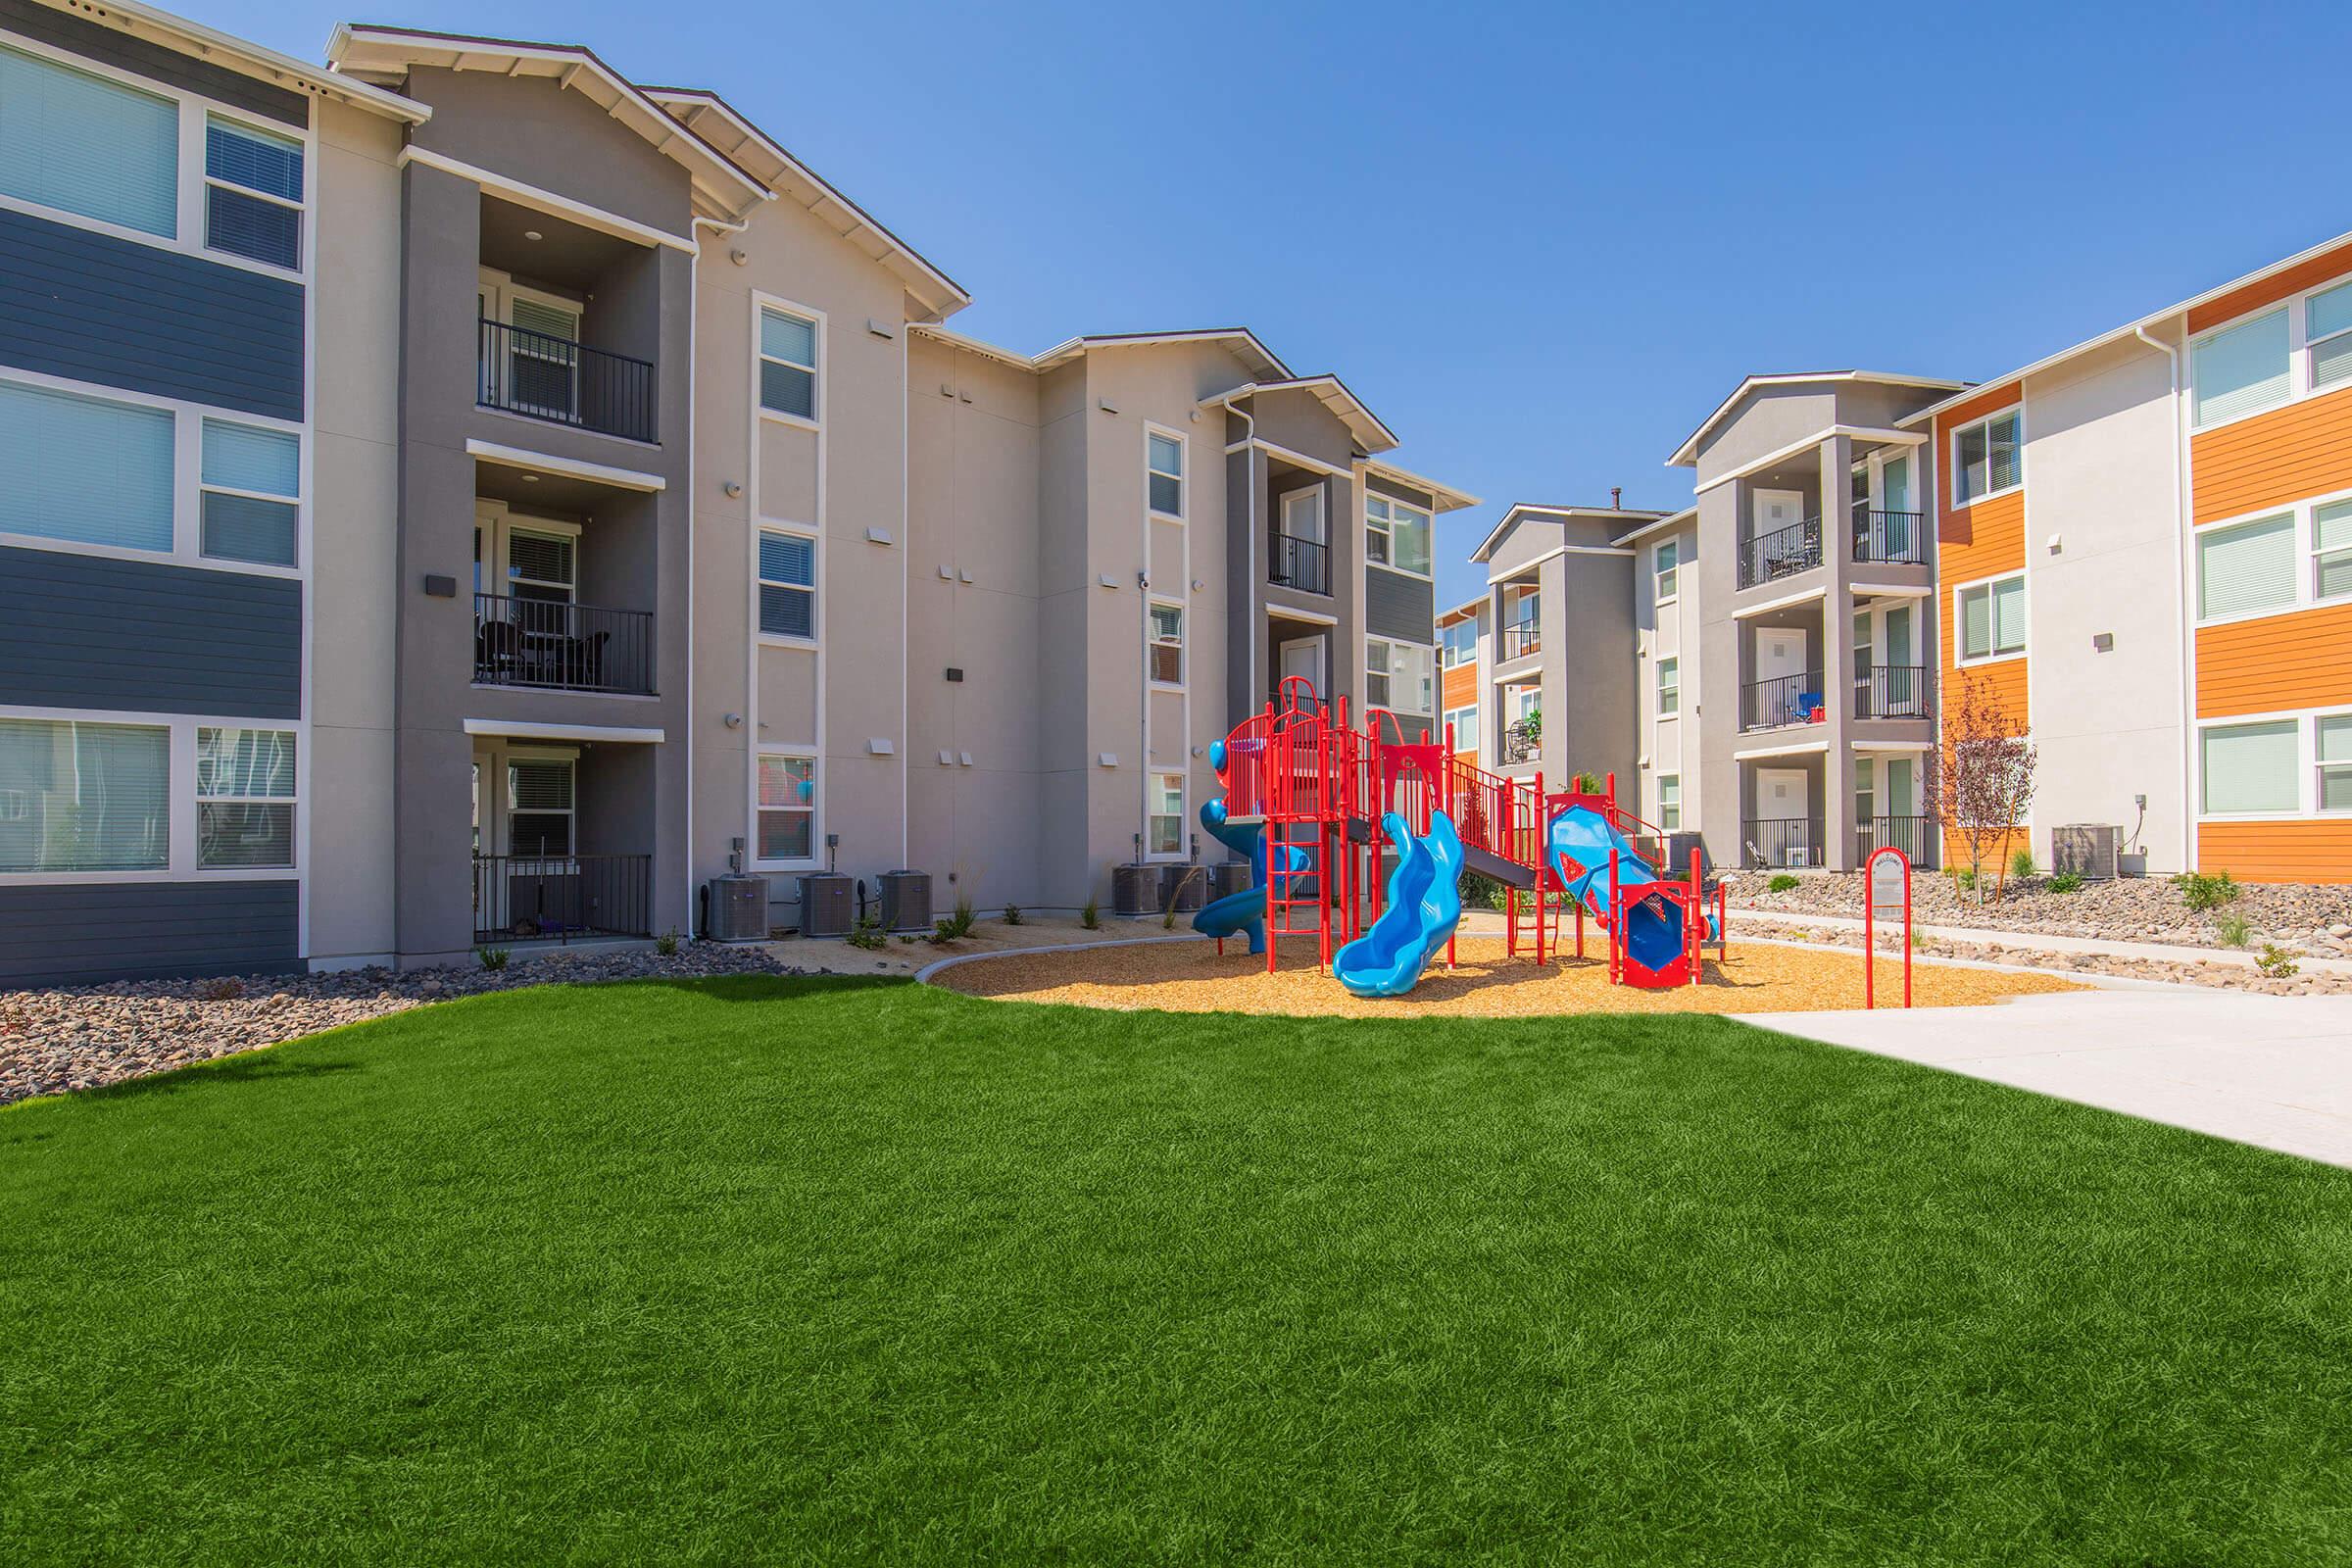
<point x="2251" y="768"/>
<point x="82" y="144"/>
<point x="2247" y="567"/>
<point x="85" y="796"/>
<point x="84" y="469"/>
<point x="2241" y="369"/>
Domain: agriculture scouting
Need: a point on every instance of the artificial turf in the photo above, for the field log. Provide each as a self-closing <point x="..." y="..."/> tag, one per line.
<point x="799" y="1271"/>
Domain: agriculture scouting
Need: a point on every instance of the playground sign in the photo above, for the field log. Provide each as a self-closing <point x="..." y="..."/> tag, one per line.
<point x="1886" y="896"/>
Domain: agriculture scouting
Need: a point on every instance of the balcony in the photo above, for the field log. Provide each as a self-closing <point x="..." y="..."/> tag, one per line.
<point x="1892" y="691"/>
<point x="1296" y="562"/>
<point x="1915" y="836"/>
<point x="563" y="382"/>
<point x="1517" y="641"/>
<point x="1897" y="538"/>
<point x="1782" y="701"/>
<point x="1782" y="552"/>
<point x="1781" y="842"/>
<point x="1521" y="743"/>
<point x="562" y="898"/>
<point x="556" y="645"/>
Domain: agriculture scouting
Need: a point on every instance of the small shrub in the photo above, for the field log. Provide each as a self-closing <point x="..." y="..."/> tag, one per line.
<point x="956" y="926"/>
<point x="868" y="934"/>
<point x="1588" y="784"/>
<point x="2066" y="882"/>
<point x="493" y="958"/>
<point x="2020" y="864"/>
<point x="1012" y="914"/>
<point x="2275" y="961"/>
<point x="667" y="944"/>
<point x="2202" y="891"/>
<point x="222" y="988"/>
<point x="1091" y="916"/>
<point x="1964" y="879"/>
<point x="2232" y="928"/>
<point x="1781" y="882"/>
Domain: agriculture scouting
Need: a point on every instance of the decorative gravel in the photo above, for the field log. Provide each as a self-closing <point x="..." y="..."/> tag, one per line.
<point x="80" y="1037"/>
<point x="2228" y="976"/>
<point x="2299" y="917"/>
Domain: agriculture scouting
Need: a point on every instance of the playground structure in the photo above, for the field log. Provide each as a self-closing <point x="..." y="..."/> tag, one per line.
<point x="1314" y="803"/>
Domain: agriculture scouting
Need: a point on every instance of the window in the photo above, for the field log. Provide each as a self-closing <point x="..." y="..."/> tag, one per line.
<point x="2335" y="763"/>
<point x="86" y="145"/>
<point x="84" y="470"/>
<point x="1461" y="642"/>
<point x="1670" y="802"/>
<point x="1164" y="463"/>
<point x="250" y="480"/>
<point x="787" y="584"/>
<point x="78" y="797"/>
<point x="1985" y="459"/>
<point x="2247" y="566"/>
<point x="787" y="806"/>
<point x="1669" y="687"/>
<point x="540" y="566"/>
<point x="2251" y="768"/>
<point x="1396" y="534"/>
<point x="1167" y="644"/>
<point x="244" y="798"/>
<point x="539" y="807"/>
<point x="2241" y="369"/>
<point x="787" y="363"/>
<point x="252" y="193"/>
<point x="2328" y="330"/>
<point x="2332" y="548"/>
<point x="1165" y="835"/>
<point x="1666" y="563"/>
<point x="1399" y="676"/>
<point x="1993" y="619"/>
<point x="1465" y="727"/>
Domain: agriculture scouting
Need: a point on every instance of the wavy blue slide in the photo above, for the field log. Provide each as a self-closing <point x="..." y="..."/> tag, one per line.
<point x="1424" y="904"/>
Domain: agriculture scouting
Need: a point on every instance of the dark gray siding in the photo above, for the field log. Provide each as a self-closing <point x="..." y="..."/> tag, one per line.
<point x="1401" y="606"/>
<point x="153" y="61"/>
<point x="85" y="631"/>
<point x="95" y="308"/>
<point x="1400" y="492"/>
<point x="89" y="932"/>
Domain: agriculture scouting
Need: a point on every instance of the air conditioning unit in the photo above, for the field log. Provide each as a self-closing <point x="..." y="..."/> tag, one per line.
<point x="2086" y="849"/>
<point x="1183" y="886"/>
<point x="906" y="901"/>
<point x="739" y="909"/>
<point x="1135" y="890"/>
<point x="826" y="908"/>
<point x="1232" y="876"/>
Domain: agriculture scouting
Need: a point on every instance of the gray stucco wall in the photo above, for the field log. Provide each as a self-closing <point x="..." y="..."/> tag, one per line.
<point x="544" y="134"/>
<point x="87" y="933"/>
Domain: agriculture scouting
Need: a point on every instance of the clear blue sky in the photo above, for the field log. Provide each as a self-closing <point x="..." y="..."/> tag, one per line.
<point x="1540" y="241"/>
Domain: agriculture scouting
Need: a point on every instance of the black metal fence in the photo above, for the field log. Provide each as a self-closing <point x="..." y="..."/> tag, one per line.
<point x="1782" y="552"/>
<point x="1915" y="836"/>
<point x="1782" y="841"/>
<point x="1522" y="743"/>
<point x="1301" y="564"/>
<point x="1782" y="700"/>
<point x="1890" y="536"/>
<point x="1892" y="691"/>
<point x="556" y="645"/>
<point x="553" y="379"/>
<point x="1517" y="640"/>
<point x="562" y="898"/>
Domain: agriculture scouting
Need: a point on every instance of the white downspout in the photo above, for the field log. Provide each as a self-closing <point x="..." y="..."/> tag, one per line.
<point x="2187" y="619"/>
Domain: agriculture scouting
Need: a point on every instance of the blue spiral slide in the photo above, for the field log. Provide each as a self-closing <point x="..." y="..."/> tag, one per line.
<point x="1244" y="913"/>
<point x="1424" y="905"/>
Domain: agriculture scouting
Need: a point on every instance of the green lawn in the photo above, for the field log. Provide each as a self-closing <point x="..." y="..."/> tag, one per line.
<point x="811" y="1271"/>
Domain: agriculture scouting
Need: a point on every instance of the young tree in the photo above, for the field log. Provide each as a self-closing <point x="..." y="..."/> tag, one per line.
<point x="1987" y="776"/>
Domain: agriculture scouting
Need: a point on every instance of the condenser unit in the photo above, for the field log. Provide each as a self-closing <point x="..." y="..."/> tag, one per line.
<point x="1183" y="887"/>
<point x="906" y="901"/>
<point x="1135" y="889"/>
<point x="739" y="909"/>
<point x="1228" y="877"/>
<point x="2086" y="849"/>
<point x="825" y="907"/>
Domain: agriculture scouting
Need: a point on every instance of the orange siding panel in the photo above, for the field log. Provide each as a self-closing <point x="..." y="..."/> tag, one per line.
<point x="2319" y="850"/>
<point x="1991" y="400"/>
<point x="1461" y="686"/>
<point x="1996" y="852"/>
<point x="2006" y="681"/>
<point x="2304" y="449"/>
<point x="1981" y="541"/>
<point x="2254" y="296"/>
<point x="2279" y="662"/>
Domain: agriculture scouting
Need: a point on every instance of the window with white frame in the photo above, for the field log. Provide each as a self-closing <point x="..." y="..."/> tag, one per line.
<point x="787" y="805"/>
<point x="2247" y="566"/>
<point x="787" y="362"/>
<point x="252" y="193"/>
<point x="2327" y="335"/>
<point x="1667" y="563"/>
<point x="540" y="805"/>
<point x="787" y="584"/>
<point x="1993" y="618"/>
<point x="2334" y="750"/>
<point x="1460" y="642"/>
<point x="1396" y="534"/>
<point x="1399" y="676"/>
<point x="1670" y="802"/>
<point x="1986" y="458"/>
<point x="2241" y="369"/>
<point x="2251" y="768"/>
<point x="1465" y="727"/>
<point x="1669" y="687"/>
<point x="1163" y="464"/>
<point x="244" y="798"/>
<point x="2332" y="550"/>
<point x="1166" y="831"/>
<point x="85" y="469"/>
<point x="87" y="145"/>
<point x="248" y="483"/>
<point x="1167" y="644"/>
<point x="85" y="796"/>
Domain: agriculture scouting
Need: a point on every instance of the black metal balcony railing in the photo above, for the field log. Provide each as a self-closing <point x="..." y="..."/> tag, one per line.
<point x="1913" y="835"/>
<point x="1517" y="640"/>
<point x="554" y="645"/>
<point x="1782" y="700"/>
<point x="1892" y="691"/>
<point x="1522" y="742"/>
<point x="1899" y="537"/>
<point x="1301" y="564"/>
<point x="553" y="379"/>
<point x="1782" y="552"/>
<point x="562" y="898"/>
<point x="1779" y="842"/>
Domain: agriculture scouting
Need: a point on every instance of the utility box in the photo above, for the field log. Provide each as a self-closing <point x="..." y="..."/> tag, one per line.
<point x="1184" y="888"/>
<point x="1230" y="877"/>
<point x="738" y="908"/>
<point x="825" y="909"/>
<point x="906" y="901"/>
<point x="2086" y="849"/>
<point x="1135" y="890"/>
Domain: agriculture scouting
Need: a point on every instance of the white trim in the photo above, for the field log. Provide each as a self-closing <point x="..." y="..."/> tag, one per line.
<point x="1688" y="452"/>
<point x="539" y="199"/>
<point x="531" y="730"/>
<point x="1892" y="590"/>
<point x="814" y="587"/>
<point x="1313" y="618"/>
<point x="1767" y="606"/>
<point x="1445" y="497"/>
<point x="506" y="457"/>
<point x="194" y="39"/>
<point x="814" y="860"/>
<point x="1951" y="447"/>
<point x="1960" y="656"/>
<point x="1364" y="497"/>
<point x="1297" y="460"/>
<point x="817" y="368"/>
<point x="1749" y="754"/>
<point x="813" y="745"/>
<point x="2307" y="807"/>
<point x="2304" y="513"/>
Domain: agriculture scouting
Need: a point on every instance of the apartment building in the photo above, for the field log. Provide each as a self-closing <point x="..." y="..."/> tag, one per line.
<point x="1463" y="636"/>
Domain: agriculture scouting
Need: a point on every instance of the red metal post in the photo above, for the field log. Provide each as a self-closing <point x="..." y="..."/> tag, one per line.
<point x="1694" y="917"/>
<point x="1543" y="870"/>
<point x="1616" y="921"/>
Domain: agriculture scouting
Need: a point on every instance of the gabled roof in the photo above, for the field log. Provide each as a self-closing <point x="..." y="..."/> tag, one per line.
<point x="723" y="189"/>
<point x="1362" y="423"/>
<point x="1449" y="499"/>
<point x="1663" y="520"/>
<point x="267" y="65"/>
<point x="1469" y="607"/>
<point x="723" y="127"/>
<point x="1527" y="509"/>
<point x="1687" y="453"/>
<point x="1243" y="343"/>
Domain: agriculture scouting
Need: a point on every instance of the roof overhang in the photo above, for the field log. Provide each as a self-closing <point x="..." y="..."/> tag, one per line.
<point x="264" y="64"/>
<point x="1243" y="344"/>
<point x="1687" y="455"/>
<point x="720" y="125"/>
<point x="1524" y="508"/>
<point x="1363" y="426"/>
<point x="1449" y="499"/>
<point x="723" y="189"/>
<point x="1670" y="521"/>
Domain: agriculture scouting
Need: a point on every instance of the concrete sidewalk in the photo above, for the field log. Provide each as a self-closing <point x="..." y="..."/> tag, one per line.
<point x="2273" y="1071"/>
<point x="2046" y="942"/>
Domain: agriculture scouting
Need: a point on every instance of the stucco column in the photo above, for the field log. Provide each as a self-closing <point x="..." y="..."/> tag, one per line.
<point x="1838" y="649"/>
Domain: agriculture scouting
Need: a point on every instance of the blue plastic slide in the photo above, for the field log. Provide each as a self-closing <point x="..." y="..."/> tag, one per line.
<point x="1579" y="842"/>
<point x="1424" y="904"/>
